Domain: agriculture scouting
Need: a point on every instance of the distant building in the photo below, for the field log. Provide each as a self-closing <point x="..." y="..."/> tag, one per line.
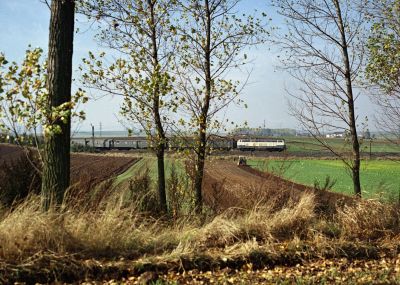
<point x="302" y="134"/>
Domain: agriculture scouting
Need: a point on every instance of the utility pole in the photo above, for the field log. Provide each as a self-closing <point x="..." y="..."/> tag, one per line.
<point x="92" y="134"/>
<point x="370" y="148"/>
<point x="101" y="127"/>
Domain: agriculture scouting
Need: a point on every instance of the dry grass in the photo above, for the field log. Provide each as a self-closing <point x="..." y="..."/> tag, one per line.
<point x="262" y="223"/>
<point x="369" y="220"/>
<point x="116" y="230"/>
<point x="111" y="231"/>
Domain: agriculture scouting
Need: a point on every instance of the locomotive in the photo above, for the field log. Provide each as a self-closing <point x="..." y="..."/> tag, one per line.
<point x="214" y="142"/>
<point x="266" y="144"/>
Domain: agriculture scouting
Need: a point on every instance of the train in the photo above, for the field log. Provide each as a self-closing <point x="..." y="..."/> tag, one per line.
<point x="265" y="144"/>
<point x="214" y="142"/>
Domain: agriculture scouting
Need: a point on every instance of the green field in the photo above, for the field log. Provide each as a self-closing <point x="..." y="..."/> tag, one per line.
<point x="378" y="177"/>
<point x="150" y="163"/>
<point x="306" y="144"/>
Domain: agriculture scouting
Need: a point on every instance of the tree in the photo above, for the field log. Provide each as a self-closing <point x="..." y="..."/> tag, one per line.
<point x="24" y="111"/>
<point x="324" y="51"/>
<point x="213" y="38"/>
<point x="56" y="153"/>
<point x="22" y="98"/>
<point x="142" y="32"/>
<point x="383" y="68"/>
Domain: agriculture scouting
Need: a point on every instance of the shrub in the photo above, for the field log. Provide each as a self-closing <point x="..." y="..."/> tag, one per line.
<point x="141" y="193"/>
<point x="82" y="148"/>
<point x="180" y="197"/>
<point x="327" y="186"/>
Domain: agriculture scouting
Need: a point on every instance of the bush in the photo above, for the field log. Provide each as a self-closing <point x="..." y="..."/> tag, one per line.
<point x="179" y="194"/>
<point x="82" y="148"/>
<point x="141" y="193"/>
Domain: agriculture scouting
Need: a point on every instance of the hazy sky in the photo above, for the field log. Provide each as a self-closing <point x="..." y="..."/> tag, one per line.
<point x="24" y="22"/>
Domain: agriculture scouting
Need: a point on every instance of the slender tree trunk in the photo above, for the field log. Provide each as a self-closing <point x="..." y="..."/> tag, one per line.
<point x="161" y="138"/>
<point x="160" y="152"/>
<point x="201" y="158"/>
<point x="202" y="137"/>
<point x="56" y="170"/>
<point x="161" y="179"/>
<point x="355" y="168"/>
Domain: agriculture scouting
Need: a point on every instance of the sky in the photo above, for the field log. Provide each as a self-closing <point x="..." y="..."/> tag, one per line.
<point x="25" y="22"/>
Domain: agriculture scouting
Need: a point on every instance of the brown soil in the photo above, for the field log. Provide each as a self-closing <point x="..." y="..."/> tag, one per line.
<point x="227" y="185"/>
<point x="88" y="167"/>
<point x="9" y="152"/>
<point x="98" y="167"/>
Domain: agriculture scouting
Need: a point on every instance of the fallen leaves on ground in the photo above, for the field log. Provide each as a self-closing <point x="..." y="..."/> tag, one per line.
<point x="335" y="271"/>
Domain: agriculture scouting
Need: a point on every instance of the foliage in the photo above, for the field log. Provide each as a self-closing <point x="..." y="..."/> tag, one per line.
<point x="383" y="69"/>
<point x="82" y="148"/>
<point x="24" y="97"/>
<point x="222" y="45"/>
<point x="320" y="271"/>
<point x="179" y="193"/>
<point x="213" y="38"/>
<point x="115" y="236"/>
<point x="142" y="33"/>
<point x="384" y="47"/>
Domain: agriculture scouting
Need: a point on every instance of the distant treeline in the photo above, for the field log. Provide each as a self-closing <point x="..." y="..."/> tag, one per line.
<point x="24" y="139"/>
<point x="264" y="132"/>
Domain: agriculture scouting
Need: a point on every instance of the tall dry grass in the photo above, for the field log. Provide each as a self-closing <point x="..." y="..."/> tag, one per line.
<point x="112" y="230"/>
<point x="369" y="220"/>
<point x="115" y="229"/>
<point x="262" y="223"/>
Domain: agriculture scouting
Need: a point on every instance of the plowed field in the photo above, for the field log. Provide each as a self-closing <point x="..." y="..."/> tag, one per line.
<point x="228" y="185"/>
<point x="9" y="152"/>
<point x="94" y="168"/>
<point x="98" y="167"/>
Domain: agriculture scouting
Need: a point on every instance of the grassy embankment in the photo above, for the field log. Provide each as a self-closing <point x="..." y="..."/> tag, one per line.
<point x="149" y="162"/>
<point x="114" y="241"/>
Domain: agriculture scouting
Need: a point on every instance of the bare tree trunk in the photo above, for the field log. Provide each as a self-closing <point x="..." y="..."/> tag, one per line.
<point x="56" y="171"/>
<point x="355" y="167"/>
